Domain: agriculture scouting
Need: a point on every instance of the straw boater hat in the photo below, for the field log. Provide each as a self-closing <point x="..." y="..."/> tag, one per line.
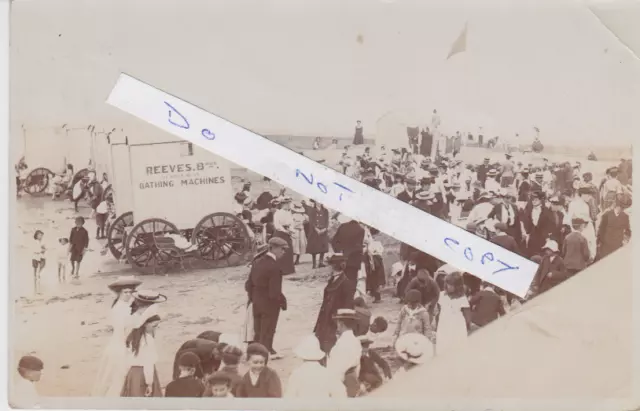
<point x="345" y="314"/>
<point x="149" y="296"/>
<point x="492" y="172"/>
<point x="551" y="245"/>
<point x="309" y="349"/>
<point x="124" y="282"/>
<point x="297" y="208"/>
<point x="423" y="195"/>
<point x="414" y="348"/>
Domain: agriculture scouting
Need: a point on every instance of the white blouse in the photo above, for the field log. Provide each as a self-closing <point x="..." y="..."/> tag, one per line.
<point x="146" y="358"/>
<point x="282" y="218"/>
<point x="312" y="380"/>
<point x="344" y="355"/>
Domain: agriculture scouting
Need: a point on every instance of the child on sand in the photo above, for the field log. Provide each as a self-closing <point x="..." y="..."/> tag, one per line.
<point x="24" y="393"/>
<point x="78" y="243"/>
<point x="63" y="259"/>
<point x="37" y="259"/>
<point x="102" y="212"/>
<point x="220" y="385"/>
<point x="260" y="381"/>
<point x="414" y="318"/>
<point x="186" y="385"/>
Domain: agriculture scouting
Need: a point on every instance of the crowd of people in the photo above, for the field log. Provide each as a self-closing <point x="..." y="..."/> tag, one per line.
<point x="552" y="213"/>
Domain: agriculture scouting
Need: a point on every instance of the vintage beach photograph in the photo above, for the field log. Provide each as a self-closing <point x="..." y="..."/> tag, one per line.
<point x="143" y="265"/>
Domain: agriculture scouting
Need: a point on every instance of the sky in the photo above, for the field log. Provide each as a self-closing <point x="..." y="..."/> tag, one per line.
<point x="315" y="67"/>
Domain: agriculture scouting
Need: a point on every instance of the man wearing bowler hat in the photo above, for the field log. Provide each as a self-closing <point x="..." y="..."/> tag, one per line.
<point x="264" y="289"/>
<point x="337" y="294"/>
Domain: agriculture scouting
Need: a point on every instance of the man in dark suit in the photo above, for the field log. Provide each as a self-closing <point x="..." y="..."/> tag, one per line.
<point x="482" y="171"/>
<point x="337" y="294"/>
<point x="503" y="239"/>
<point x="348" y="240"/>
<point x="409" y="193"/>
<point x="264" y="289"/>
<point x="539" y="223"/>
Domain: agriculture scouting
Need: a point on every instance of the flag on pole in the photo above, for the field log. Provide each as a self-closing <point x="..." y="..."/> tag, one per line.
<point x="460" y="44"/>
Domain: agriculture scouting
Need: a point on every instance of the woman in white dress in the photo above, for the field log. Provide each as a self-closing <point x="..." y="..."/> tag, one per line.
<point x="112" y="368"/>
<point x="454" y="314"/>
<point x="141" y="378"/>
<point x="298" y="236"/>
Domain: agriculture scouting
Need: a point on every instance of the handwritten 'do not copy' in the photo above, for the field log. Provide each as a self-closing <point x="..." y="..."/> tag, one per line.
<point x="436" y="237"/>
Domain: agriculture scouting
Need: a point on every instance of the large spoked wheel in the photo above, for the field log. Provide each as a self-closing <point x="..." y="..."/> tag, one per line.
<point x="223" y="240"/>
<point x="37" y="181"/>
<point x="107" y="194"/>
<point x="142" y="252"/>
<point x="117" y="234"/>
<point x="80" y="175"/>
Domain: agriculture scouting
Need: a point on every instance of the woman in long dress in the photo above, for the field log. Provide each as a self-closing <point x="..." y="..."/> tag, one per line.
<point x="358" y="138"/>
<point x="318" y="242"/>
<point x="112" y="368"/>
<point x="454" y="314"/>
<point x="283" y="228"/>
<point x="299" y="237"/>
<point x="141" y="379"/>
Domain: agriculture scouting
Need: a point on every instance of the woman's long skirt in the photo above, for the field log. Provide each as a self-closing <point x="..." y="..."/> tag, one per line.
<point x="135" y="384"/>
<point x="286" y="262"/>
<point x="112" y="370"/>
<point x="299" y="242"/>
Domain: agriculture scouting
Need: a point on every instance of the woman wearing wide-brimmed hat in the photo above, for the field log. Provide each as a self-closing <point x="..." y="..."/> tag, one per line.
<point x="283" y="228"/>
<point x="311" y="379"/>
<point x="413" y="349"/>
<point x="142" y="377"/>
<point x="112" y="369"/>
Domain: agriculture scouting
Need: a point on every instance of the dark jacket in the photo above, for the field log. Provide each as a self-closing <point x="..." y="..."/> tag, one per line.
<point x="264" y="285"/>
<point x="185" y="387"/>
<point x="78" y="239"/>
<point x="575" y="251"/>
<point x="612" y="231"/>
<point x="268" y="385"/>
<point x="541" y="281"/>
<point x="337" y="294"/>
<point x="486" y="306"/>
<point x="405" y="197"/>
<point x="348" y="241"/>
<point x="506" y="241"/>
<point x="429" y="291"/>
<point x="513" y="229"/>
<point x="538" y="234"/>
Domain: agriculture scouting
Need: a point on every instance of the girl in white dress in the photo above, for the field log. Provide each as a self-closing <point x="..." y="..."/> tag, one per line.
<point x="454" y="314"/>
<point x="298" y="236"/>
<point x="112" y="370"/>
<point x="141" y="378"/>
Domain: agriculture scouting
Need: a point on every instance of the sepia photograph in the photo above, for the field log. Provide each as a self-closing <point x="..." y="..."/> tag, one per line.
<point x="143" y="265"/>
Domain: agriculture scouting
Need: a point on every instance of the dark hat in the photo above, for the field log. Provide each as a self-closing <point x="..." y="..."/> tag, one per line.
<point x="426" y="180"/>
<point x="278" y="242"/>
<point x="231" y="351"/>
<point x="30" y="362"/>
<point x="365" y="341"/>
<point x="336" y="258"/>
<point x="508" y="155"/>
<point x="189" y="359"/>
<point x="345" y="314"/>
<point x="486" y="159"/>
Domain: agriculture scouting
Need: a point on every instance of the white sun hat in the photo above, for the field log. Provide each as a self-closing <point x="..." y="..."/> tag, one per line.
<point x="414" y="348"/>
<point x="309" y="349"/>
